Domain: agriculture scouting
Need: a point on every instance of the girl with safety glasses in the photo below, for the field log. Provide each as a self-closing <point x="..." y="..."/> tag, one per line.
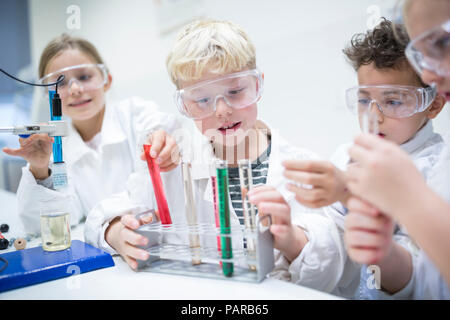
<point x="387" y="179"/>
<point x="100" y="150"/>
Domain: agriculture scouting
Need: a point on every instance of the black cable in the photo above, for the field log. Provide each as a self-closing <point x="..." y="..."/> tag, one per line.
<point x="60" y="78"/>
<point x="4" y="265"/>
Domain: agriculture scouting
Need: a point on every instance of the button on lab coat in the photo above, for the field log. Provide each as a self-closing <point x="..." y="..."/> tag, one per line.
<point x="93" y="176"/>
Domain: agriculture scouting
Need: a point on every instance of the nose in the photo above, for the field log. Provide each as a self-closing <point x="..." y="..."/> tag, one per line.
<point x="75" y="88"/>
<point x="222" y="108"/>
<point x="430" y="77"/>
<point x="374" y="108"/>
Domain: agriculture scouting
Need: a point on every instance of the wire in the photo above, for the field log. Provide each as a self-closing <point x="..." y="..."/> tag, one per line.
<point x="60" y="78"/>
<point x="4" y="265"/>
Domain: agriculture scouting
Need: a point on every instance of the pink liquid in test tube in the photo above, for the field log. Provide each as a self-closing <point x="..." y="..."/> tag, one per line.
<point x="216" y="208"/>
<point x="163" y="208"/>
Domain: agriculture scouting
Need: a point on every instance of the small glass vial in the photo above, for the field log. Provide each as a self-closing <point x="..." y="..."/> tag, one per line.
<point x="55" y="224"/>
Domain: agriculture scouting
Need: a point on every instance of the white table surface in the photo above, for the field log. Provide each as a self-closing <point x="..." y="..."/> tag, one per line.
<point x="121" y="282"/>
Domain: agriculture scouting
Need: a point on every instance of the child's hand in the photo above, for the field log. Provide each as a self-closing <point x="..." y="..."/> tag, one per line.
<point x="289" y="239"/>
<point x="328" y="182"/>
<point x="164" y="149"/>
<point x="123" y="239"/>
<point x="368" y="233"/>
<point x="37" y="150"/>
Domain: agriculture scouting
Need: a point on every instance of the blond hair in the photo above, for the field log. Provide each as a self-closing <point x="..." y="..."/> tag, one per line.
<point x="209" y="45"/>
<point x="64" y="42"/>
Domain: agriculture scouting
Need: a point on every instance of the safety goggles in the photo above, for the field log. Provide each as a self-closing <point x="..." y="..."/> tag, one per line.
<point x="87" y="76"/>
<point x="238" y="90"/>
<point x="431" y="50"/>
<point x="392" y="101"/>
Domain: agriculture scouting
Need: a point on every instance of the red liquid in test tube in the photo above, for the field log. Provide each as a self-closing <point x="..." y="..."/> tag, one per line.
<point x="163" y="208"/>
<point x="216" y="208"/>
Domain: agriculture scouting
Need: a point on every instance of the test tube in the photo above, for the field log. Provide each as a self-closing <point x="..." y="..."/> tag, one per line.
<point x="191" y="214"/>
<point x="224" y="215"/>
<point x="369" y="122"/>
<point x="248" y="209"/>
<point x="163" y="208"/>
<point x="215" y="200"/>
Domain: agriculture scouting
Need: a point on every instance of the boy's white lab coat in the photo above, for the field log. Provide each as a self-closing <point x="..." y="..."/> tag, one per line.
<point x="139" y="196"/>
<point x="343" y="276"/>
<point x="93" y="176"/>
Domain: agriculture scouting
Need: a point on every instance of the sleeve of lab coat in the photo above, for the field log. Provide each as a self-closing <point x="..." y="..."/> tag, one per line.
<point x="134" y="199"/>
<point x="30" y="193"/>
<point x="321" y="263"/>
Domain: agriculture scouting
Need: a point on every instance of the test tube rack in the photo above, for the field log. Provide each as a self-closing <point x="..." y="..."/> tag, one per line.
<point x="171" y="253"/>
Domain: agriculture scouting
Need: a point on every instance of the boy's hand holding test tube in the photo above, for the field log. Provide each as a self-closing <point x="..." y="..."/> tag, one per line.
<point x="288" y="238"/>
<point x="120" y="234"/>
<point x="327" y="181"/>
<point x="164" y="149"/>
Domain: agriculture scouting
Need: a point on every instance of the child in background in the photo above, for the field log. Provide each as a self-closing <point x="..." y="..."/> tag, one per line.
<point x="213" y="66"/>
<point x="396" y="187"/>
<point x="100" y="149"/>
<point x="403" y="106"/>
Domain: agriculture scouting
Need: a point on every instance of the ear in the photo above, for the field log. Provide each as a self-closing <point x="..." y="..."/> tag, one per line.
<point x="436" y="107"/>
<point x="108" y="84"/>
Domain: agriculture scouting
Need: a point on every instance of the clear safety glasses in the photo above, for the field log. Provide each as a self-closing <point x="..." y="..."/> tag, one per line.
<point x="86" y="76"/>
<point x="392" y="101"/>
<point x="431" y="51"/>
<point x="238" y="90"/>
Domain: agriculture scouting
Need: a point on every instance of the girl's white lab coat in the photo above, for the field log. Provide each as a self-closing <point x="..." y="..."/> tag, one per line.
<point x="139" y="196"/>
<point x="92" y="175"/>
<point x="341" y="276"/>
<point x="427" y="282"/>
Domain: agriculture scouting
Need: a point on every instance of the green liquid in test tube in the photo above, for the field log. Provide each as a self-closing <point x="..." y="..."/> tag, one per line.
<point x="224" y="215"/>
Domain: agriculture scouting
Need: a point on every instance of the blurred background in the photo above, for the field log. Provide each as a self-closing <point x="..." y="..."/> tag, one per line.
<point x="298" y="43"/>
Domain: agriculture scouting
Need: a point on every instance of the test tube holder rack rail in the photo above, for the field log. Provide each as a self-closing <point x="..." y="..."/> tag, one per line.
<point x="170" y="252"/>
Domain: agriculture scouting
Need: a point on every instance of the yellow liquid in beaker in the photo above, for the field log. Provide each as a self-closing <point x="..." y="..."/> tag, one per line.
<point x="55" y="231"/>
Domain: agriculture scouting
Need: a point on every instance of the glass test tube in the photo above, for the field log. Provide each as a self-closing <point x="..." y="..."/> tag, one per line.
<point x="369" y="122"/>
<point x="224" y="215"/>
<point x="215" y="201"/>
<point x="163" y="208"/>
<point x="248" y="209"/>
<point x="191" y="214"/>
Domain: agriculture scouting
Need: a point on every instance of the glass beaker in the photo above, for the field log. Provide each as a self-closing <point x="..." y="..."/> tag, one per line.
<point x="55" y="223"/>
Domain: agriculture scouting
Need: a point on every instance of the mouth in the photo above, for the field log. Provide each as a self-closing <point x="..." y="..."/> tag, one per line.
<point x="80" y="103"/>
<point x="447" y="96"/>
<point x="381" y="135"/>
<point x="229" y="128"/>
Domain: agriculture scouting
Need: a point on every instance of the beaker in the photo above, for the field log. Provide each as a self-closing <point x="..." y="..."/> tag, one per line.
<point x="55" y="223"/>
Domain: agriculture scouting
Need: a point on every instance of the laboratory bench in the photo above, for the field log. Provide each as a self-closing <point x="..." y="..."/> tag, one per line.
<point x="121" y="282"/>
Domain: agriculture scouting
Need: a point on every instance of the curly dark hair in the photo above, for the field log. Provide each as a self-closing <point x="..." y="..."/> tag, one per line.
<point x="384" y="46"/>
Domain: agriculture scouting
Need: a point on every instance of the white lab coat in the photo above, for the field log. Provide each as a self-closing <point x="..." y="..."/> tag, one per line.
<point x="427" y="282"/>
<point x="139" y="195"/>
<point x="92" y="175"/>
<point x="323" y="263"/>
<point x="425" y="148"/>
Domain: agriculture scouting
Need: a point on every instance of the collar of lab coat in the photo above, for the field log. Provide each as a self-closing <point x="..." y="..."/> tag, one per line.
<point x="201" y="168"/>
<point x="419" y="138"/>
<point x="112" y="133"/>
